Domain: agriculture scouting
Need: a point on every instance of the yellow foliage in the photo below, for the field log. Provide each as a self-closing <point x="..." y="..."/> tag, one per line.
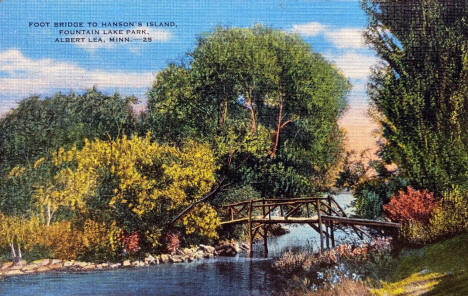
<point x="203" y="220"/>
<point x="100" y="236"/>
<point x="62" y="239"/>
<point x="150" y="178"/>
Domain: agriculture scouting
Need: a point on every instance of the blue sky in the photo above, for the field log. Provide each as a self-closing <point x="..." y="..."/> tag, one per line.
<point x="31" y="62"/>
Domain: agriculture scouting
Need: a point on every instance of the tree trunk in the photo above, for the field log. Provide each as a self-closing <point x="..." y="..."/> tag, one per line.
<point x="49" y="216"/>
<point x="224" y="111"/>
<point x="249" y="104"/>
<point x="13" y="253"/>
<point x="20" y="255"/>
<point x="277" y="132"/>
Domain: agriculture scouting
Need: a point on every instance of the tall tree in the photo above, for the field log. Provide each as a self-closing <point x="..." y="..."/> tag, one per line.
<point x="38" y="127"/>
<point x="420" y="91"/>
<point x="263" y="99"/>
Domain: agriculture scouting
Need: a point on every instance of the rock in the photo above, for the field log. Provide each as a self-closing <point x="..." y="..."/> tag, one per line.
<point x="68" y="263"/>
<point x="177" y="258"/>
<point x="21" y="263"/>
<point x="42" y="268"/>
<point x="6" y="265"/>
<point x="138" y="263"/>
<point x="115" y="265"/>
<point x="81" y="264"/>
<point x="226" y="251"/>
<point x="90" y="266"/>
<point x="207" y="249"/>
<point x="30" y="267"/>
<point x="41" y="262"/>
<point x="55" y="261"/>
<point x="55" y="266"/>
<point x="14" y="272"/>
<point x="16" y="267"/>
<point x="164" y="258"/>
<point x="150" y="259"/>
<point x="126" y="263"/>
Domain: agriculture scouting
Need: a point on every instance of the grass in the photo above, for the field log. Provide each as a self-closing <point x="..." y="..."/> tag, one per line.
<point x="439" y="269"/>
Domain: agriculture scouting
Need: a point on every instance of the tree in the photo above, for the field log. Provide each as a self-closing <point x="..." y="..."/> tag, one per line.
<point x="36" y="128"/>
<point x="134" y="184"/>
<point x="265" y="102"/>
<point x="420" y="92"/>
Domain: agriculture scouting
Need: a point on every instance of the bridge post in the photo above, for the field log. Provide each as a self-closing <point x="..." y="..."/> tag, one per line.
<point x="265" y="242"/>
<point x="317" y="205"/>
<point x="250" y="230"/>
<point x="332" y="228"/>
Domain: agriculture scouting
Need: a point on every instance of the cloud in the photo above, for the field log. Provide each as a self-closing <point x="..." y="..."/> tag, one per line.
<point x="156" y="35"/>
<point x="21" y="76"/>
<point x="309" y="29"/>
<point x="354" y="65"/>
<point x="346" y="38"/>
<point x="340" y="38"/>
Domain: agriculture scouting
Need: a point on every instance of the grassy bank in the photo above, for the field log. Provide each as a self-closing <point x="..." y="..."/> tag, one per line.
<point x="437" y="269"/>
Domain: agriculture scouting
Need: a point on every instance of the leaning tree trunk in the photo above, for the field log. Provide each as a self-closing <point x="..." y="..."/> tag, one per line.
<point x="12" y="252"/>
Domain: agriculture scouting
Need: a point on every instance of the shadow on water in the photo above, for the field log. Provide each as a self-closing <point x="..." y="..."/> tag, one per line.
<point x="217" y="276"/>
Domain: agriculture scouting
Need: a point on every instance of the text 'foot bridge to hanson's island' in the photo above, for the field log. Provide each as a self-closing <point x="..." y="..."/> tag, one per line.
<point x="321" y="213"/>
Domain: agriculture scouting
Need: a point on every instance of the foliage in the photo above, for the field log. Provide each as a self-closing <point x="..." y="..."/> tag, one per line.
<point x="413" y="205"/>
<point x="131" y="242"/>
<point x="265" y="102"/>
<point x="371" y="194"/>
<point x="311" y="271"/>
<point x="419" y="93"/>
<point x="448" y="218"/>
<point x="136" y="185"/>
<point x="62" y="239"/>
<point x="100" y="240"/>
<point x="37" y="127"/>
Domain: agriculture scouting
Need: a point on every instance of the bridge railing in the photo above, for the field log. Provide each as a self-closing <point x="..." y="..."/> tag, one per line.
<point x="281" y="207"/>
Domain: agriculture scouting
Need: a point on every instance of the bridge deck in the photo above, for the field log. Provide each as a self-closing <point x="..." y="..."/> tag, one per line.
<point x="314" y="219"/>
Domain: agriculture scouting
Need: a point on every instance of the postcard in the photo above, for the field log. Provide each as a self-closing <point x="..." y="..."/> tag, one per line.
<point x="273" y="147"/>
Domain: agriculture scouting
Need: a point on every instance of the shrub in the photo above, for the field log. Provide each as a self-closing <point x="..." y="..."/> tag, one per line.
<point x="62" y="239"/>
<point x="414" y="205"/>
<point x="371" y="194"/>
<point x="449" y="218"/>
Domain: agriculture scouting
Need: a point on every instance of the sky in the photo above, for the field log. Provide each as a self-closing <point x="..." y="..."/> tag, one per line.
<point x="34" y="60"/>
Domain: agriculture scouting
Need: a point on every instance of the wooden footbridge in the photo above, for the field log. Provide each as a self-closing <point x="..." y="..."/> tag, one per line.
<point x="321" y="213"/>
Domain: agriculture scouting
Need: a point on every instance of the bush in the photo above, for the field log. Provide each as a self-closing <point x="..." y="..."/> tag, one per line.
<point x="448" y="219"/>
<point x="372" y="194"/>
<point x="413" y="205"/>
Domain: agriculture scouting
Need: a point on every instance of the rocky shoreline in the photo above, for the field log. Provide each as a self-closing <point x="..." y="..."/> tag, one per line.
<point x="58" y="265"/>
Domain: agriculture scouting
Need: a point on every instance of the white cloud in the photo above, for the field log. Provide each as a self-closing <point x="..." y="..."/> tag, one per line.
<point x="309" y="29"/>
<point x="21" y="76"/>
<point x="354" y="65"/>
<point x="346" y="38"/>
<point x="156" y="35"/>
<point x="340" y="38"/>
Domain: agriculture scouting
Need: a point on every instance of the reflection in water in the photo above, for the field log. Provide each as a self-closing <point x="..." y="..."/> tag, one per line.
<point x="219" y="276"/>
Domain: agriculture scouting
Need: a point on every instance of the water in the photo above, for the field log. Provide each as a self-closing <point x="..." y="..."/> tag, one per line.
<point x="216" y="276"/>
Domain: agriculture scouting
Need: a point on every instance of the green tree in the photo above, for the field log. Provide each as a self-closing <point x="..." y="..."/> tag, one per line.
<point x="263" y="99"/>
<point x="419" y="93"/>
<point x="38" y="127"/>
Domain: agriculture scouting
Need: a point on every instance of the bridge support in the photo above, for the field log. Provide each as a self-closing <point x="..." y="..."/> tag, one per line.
<point x="265" y="242"/>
